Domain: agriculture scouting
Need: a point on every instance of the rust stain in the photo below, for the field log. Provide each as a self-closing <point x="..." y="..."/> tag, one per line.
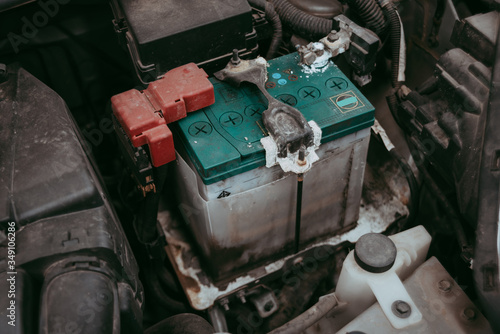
<point x="189" y="283"/>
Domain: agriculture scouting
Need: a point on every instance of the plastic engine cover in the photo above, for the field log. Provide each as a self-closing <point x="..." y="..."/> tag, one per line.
<point x="163" y="34"/>
<point x="67" y="236"/>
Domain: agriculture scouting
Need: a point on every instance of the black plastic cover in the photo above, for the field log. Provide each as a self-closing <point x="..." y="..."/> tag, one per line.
<point x="43" y="167"/>
<point x="486" y="259"/>
<point x="448" y="122"/>
<point x="164" y="34"/>
<point x="64" y="224"/>
<point x="92" y="310"/>
<point x="477" y="36"/>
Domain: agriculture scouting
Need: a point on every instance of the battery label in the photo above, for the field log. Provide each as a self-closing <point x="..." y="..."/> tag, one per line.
<point x="347" y="101"/>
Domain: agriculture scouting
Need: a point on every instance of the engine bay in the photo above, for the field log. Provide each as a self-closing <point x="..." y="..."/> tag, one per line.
<point x="279" y="166"/>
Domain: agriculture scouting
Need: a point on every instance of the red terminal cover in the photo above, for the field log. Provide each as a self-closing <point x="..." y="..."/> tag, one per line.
<point x="144" y="115"/>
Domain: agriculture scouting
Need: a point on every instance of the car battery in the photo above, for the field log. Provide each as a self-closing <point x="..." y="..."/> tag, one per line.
<point x="241" y="213"/>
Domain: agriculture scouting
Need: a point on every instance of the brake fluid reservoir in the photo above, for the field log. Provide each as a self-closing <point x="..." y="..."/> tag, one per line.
<point x="241" y="213"/>
<point x="374" y="271"/>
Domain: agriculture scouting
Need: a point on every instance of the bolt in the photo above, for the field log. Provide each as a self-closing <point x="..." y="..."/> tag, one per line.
<point x="302" y="156"/>
<point x="225" y="303"/>
<point x="401" y="309"/>
<point x="301" y="161"/>
<point x="332" y="37"/>
<point x="469" y="314"/>
<point x="444" y="285"/>
<point x="241" y="296"/>
<point x="235" y="60"/>
<point x="268" y="306"/>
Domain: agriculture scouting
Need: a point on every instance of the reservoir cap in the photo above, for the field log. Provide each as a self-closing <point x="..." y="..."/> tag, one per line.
<point x="375" y="252"/>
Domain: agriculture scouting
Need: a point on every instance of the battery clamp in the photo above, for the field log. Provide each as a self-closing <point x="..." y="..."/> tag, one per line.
<point x="292" y="140"/>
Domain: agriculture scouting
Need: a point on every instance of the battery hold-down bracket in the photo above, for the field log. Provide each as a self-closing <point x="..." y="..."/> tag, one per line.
<point x="293" y="141"/>
<point x="144" y="115"/>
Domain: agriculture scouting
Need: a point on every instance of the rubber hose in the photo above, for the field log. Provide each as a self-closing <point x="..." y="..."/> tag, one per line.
<point x="259" y="4"/>
<point x="371" y="13"/>
<point x="274" y="18"/>
<point x="397" y="47"/>
<point x="301" y="22"/>
<point x="395" y="31"/>
<point x="392" y="102"/>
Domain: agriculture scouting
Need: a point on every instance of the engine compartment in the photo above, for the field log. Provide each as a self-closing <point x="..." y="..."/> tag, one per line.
<point x="161" y="175"/>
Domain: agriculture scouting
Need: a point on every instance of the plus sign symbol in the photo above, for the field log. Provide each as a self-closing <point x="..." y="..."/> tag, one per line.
<point x="230" y="119"/>
<point x="255" y="110"/>
<point x="309" y="93"/>
<point x="336" y="84"/>
<point x="288" y="99"/>
<point x="200" y="129"/>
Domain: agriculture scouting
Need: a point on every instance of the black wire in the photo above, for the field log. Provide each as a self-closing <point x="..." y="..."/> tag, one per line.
<point x="145" y="222"/>
<point x="275" y="21"/>
<point x="273" y="18"/>
<point x="371" y="13"/>
<point x="298" y="211"/>
<point x="395" y="36"/>
<point x="300" y="22"/>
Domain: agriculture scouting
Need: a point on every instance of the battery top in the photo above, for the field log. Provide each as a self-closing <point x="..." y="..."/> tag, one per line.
<point x="223" y="140"/>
